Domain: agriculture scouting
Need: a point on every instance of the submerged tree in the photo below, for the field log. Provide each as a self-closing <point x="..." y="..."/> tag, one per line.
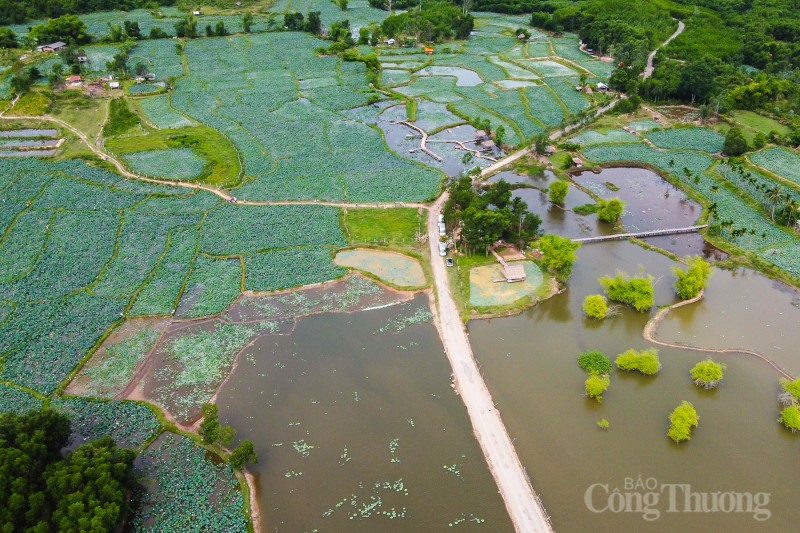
<point x="557" y="192"/>
<point x="596" y="385"/>
<point x="644" y="361"/>
<point x="682" y="419"/>
<point x="558" y="255"/>
<point x="635" y="291"/>
<point x="707" y="374"/>
<point x="692" y="280"/>
<point x="610" y="210"/>
<point x="595" y="306"/>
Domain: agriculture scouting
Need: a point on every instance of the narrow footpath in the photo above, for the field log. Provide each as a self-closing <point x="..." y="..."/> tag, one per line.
<point x="648" y="71"/>
<point x="524" y="507"/>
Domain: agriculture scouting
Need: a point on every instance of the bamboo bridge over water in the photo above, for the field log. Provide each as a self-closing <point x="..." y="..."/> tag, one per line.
<point x="641" y="234"/>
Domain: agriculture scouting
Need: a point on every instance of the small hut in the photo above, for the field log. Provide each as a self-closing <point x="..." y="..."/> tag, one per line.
<point x="480" y="136"/>
<point x="429" y="50"/>
<point x="514" y="272"/>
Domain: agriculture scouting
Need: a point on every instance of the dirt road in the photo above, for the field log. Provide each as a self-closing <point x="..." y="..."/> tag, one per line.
<point x="524" y="507"/>
<point x="648" y="70"/>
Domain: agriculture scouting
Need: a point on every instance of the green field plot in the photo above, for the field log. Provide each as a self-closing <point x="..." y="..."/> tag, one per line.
<point x="172" y="163"/>
<point x="186" y="490"/>
<point x="590" y="137"/>
<point x="289" y="267"/>
<point x="158" y="112"/>
<point x="400" y="225"/>
<point x="198" y="153"/>
<point x="781" y="161"/>
<point x="287" y="153"/>
<point x="212" y="286"/>
<point x="15" y="400"/>
<point x="671" y="161"/>
<point x="549" y="69"/>
<point x="701" y="139"/>
<point x="130" y="424"/>
<point x="159" y="56"/>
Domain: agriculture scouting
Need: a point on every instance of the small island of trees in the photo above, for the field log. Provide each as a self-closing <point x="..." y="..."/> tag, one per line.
<point x="692" y="280"/>
<point x="708" y="373"/>
<point x="634" y="291"/>
<point x="598" y="366"/>
<point x="790" y="398"/>
<point x="644" y="361"/>
<point x="682" y="419"/>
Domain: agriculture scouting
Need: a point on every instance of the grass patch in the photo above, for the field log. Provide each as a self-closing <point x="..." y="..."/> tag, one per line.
<point x="223" y="166"/>
<point x="371" y="225"/>
<point x="561" y="160"/>
<point x="585" y="209"/>
<point x="759" y="123"/>
<point x="80" y="111"/>
<point x="31" y="104"/>
<point x="120" y="118"/>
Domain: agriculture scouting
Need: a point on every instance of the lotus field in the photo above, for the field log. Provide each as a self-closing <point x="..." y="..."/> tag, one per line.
<point x="781" y="161"/>
<point x="701" y="139"/>
<point x="172" y="163"/>
<point x="85" y="248"/>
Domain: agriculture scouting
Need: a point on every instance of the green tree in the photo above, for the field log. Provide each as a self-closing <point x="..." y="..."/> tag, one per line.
<point x="790" y="417"/>
<point x="500" y="135"/>
<point x="707" y="374"/>
<point x="692" y="280"/>
<point x="682" y="420"/>
<point x="314" y="23"/>
<point x="247" y="22"/>
<point x="342" y="4"/>
<point x="595" y="306"/>
<point x="69" y="29"/>
<point x="209" y="427"/>
<point x="558" y="255"/>
<point x="610" y="210"/>
<point x="132" y="29"/>
<point x="735" y="143"/>
<point x="220" y="30"/>
<point x="645" y="361"/>
<point x="557" y="191"/>
<point x="637" y="291"/>
<point x="596" y="385"/>
<point x="8" y="39"/>
<point x="595" y="362"/>
<point x="243" y="454"/>
<point x="42" y="491"/>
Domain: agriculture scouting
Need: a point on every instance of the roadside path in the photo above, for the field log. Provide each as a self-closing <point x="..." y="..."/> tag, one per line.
<point x="648" y="70"/>
<point x="524" y="507"/>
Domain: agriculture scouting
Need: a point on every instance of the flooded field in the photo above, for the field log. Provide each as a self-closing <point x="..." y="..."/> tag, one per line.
<point x="529" y="362"/>
<point x="398" y="269"/>
<point x="360" y="432"/>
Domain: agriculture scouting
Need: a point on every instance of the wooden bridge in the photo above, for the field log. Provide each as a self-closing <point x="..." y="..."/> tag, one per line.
<point x="642" y="234"/>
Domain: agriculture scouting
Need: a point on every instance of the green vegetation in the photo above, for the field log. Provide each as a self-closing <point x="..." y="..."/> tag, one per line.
<point x="735" y="143"/>
<point x="30" y="104"/>
<point x="790" y="417"/>
<point x="596" y="385"/>
<point x="120" y="118"/>
<point x="635" y="291"/>
<point x="692" y="280"/>
<point x="67" y="28"/>
<point x="644" y="361"/>
<point x="488" y="217"/>
<point x="610" y="210"/>
<point x="44" y="491"/>
<point x="595" y="306"/>
<point x="558" y="255"/>
<point x="374" y="225"/>
<point x="557" y="192"/>
<point x="436" y="21"/>
<point x="707" y="374"/>
<point x="585" y="209"/>
<point x="682" y="419"/>
<point x="243" y="454"/>
<point x="210" y="152"/>
<point x="211" y="431"/>
<point x="595" y="362"/>
<point x="603" y="424"/>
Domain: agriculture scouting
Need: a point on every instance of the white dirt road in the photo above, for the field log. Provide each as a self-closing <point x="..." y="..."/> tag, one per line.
<point x="525" y="509"/>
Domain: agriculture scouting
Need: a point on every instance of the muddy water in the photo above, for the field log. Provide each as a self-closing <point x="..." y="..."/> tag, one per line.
<point x="529" y="362"/>
<point x="360" y="432"/>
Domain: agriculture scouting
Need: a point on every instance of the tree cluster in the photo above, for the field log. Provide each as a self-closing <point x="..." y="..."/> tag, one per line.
<point x="435" y="22"/>
<point x="41" y="490"/>
<point x="643" y="361"/>
<point x="18" y="11"/>
<point x="69" y="29"/>
<point x="215" y="434"/>
<point x="707" y="374"/>
<point x="488" y="215"/>
<point x="558" y="255"/>
<point x="692" y="280"/>
<point x="598" y="366"/>
<point x="635" y="291"/>
<point x="681" y="421"/>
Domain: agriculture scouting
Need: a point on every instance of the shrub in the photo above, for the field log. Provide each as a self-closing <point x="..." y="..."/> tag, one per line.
<point x="791" y="392"/>
<point x="735" y="143"/>
<point x="645" y="361"/>
<point x="682" y="420"/>
<point x="603" y="424"/>
<point x="692" y="280"/>
<point x="790" y="417"/>
<point x="558" y="255"/>
<point x="595" y="362"/>
<point x="637" y="292"/>
<point x="595" y="306"/>
<point x="707" y="373"/>
<point x="610" y="210"/>
<point x="596" y="385"/>
<point x="557" y="192"/>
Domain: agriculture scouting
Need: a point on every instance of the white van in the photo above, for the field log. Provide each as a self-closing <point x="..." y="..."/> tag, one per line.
<point x="443" y="249"/>
<point x="442" y="229"/>
<point x="441" y="218"/>
<point x="389" y="42"/>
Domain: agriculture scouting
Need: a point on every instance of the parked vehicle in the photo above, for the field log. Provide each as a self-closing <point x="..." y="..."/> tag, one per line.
<point x="442" y="229"/>
<point x="443" y="249"/>
<point x="449" y="261"/>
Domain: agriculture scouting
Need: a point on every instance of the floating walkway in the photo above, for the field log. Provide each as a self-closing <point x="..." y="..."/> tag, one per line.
<point x="642" y="234"/>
